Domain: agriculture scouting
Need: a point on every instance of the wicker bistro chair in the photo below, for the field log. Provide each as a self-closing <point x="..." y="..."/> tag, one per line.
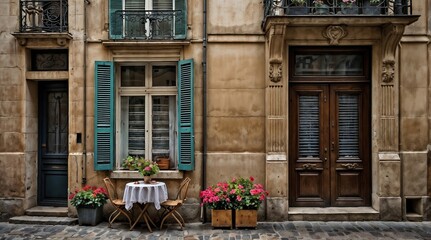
<point x="171" y="206"/>
<point x="120" y="206"/>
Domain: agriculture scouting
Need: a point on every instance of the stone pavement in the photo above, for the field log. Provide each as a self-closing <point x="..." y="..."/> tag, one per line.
<point x="264" y="230"/>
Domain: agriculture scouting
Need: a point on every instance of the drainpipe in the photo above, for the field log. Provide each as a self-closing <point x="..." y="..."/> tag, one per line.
<point x="84" y="138"/>
<point x="204" y="100"/>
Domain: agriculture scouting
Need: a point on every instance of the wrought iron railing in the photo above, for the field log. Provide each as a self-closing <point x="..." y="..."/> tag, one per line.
<point x="338" y="7"/>
<point x="147" y="24"/>
<point x="43" y="16"/>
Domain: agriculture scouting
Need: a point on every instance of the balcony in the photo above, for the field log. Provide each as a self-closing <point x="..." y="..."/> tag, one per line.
<point x="43" y="16"/>
<point x="148" y="24"/>
<point x="338" y="8"/>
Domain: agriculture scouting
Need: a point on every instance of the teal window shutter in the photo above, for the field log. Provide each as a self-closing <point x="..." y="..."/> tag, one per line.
<point x="104" y="115"/>
<point x="186" y="138"/>
<point x="180" y="19"/>
<point x="115" y="19"/>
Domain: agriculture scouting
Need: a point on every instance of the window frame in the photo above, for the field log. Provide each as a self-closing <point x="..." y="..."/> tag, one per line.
<point x="148" y="91"/>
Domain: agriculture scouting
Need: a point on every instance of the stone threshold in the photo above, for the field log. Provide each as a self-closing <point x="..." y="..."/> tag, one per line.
<point x="333" y="214"/>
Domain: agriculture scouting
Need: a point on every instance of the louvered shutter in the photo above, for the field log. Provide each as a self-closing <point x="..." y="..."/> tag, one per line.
<point x="181" y="19"/>
<point x="104" y="116"/>
<point x="348" y="125"/>
<point x="309" y="136"/>
<point x="186" y="151"/>
<point x="115" y="19"/>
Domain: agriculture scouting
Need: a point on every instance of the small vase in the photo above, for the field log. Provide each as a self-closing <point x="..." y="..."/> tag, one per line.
<point x="147" y="179"/>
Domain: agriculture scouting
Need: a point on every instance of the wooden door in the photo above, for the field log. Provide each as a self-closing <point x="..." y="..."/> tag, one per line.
<point x="329" y="144"/>
<point x="53" y="144"/>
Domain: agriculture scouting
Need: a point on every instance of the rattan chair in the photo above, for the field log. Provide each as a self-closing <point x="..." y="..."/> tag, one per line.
<point x="118" y="203"/>
<point x="171" y="206"/>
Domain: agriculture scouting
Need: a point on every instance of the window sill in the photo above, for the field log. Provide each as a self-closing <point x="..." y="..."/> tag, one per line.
<point x="163" y="174"/>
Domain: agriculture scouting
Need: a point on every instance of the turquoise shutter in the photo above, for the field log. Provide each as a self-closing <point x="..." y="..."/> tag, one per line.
<point x="115" y="19"/>
<point x="180" y="19"/>
<point x="104" y="116"/>
<point x="186" y="138"/>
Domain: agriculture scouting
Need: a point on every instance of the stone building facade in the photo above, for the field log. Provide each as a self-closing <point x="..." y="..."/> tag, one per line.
<point x="328" y="109"/>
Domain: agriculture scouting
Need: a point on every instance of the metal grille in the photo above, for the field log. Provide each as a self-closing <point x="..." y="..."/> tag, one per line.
<point x="309" y="132"/>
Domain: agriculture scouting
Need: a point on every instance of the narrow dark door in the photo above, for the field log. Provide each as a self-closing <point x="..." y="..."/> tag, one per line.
<point x="329" y="145"/>
<point x="53" y="144"/>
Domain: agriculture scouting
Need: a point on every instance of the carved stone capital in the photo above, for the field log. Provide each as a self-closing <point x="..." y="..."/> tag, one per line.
<point x="388" y="71"/>
<point x="275" y="71"/>
<point x="334" y="34"/>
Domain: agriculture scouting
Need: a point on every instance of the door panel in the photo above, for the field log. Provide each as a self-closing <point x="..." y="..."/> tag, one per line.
<point x="329" y="145"/>
<point x="308" y="150"/>
<point x="53" y="144"/>
<point x="350" y="144"/>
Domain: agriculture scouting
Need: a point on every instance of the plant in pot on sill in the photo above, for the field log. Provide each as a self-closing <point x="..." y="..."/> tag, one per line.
<point x="147" y="168"/>
<point x="129" y="162"/>
<point x="298" y="7"/>
<point x="373" y="7"/>
<point x="320" y="7"/>
<point x="249" y="197"/>
<point x="349" y="7"/>
<point x="219" y="198"/>
<point x="89" y="203"/>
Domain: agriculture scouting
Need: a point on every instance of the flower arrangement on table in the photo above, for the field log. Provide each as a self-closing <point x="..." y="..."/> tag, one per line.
<point x="89" y="196"/>
<point x="146" y="167"/>
<point x="238" y="193"/>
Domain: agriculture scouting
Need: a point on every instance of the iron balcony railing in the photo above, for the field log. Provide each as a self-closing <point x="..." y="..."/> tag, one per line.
<point x="43" y="16"/>
<point x="338" y="7"/>
<point x="147" y="24"/>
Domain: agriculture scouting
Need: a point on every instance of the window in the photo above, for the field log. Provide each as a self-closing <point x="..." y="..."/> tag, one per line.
<point x="147" y="19"/>
<point x="148" y="111"/>
<point x="152" y="115"/>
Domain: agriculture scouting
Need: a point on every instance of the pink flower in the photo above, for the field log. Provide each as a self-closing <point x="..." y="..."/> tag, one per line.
<point x="147" y="168"/>
<point x="238" y="198"/>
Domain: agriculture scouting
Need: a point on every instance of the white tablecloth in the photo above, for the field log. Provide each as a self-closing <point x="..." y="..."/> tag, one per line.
<point x="140" y="192"/>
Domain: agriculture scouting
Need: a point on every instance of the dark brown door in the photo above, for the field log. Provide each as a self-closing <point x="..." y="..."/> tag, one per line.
<point x="329" y="148"/>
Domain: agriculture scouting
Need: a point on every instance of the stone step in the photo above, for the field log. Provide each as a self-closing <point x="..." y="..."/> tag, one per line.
<point x="333" y="214"/>
<point x="47" y="211"/>
<point x="38" y="220"/>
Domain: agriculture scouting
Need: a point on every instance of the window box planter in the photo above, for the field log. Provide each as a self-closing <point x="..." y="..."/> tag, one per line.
<point x="349" y="9"/>
<point x="221" y="218"/>
<point x="297" y="10"/>
<point x="89" y="215"/>
<point x="372" y="9"/>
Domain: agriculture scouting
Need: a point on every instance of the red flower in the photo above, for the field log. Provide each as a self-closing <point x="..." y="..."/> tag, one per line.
<point x="251" y="178"/>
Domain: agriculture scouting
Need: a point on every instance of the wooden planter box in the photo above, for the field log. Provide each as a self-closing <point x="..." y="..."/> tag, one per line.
<point x="246" y="218"/>
<point x="221" y="218"/>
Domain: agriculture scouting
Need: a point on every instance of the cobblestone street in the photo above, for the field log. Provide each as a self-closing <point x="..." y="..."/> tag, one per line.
<point x="265" y="230"/>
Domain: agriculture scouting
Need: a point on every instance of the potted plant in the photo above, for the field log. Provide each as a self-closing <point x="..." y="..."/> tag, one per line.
<point x="298" y="7"/>
<point x="147" y="168"/>
<point x="373" y="7"/>
<point x="320" y="7"/>
<point x="129" y="163"/>
<point x="249" y="197"/>
<point x="89" y="203"/>
<point x="349" y="7"/>
<point x="219" y="199"/>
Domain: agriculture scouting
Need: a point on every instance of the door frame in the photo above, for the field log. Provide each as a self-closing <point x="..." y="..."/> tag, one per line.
<point x="296" y="79"/>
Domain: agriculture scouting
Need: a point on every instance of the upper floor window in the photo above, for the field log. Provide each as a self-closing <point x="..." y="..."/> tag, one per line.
<point x="148" y="19"/>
